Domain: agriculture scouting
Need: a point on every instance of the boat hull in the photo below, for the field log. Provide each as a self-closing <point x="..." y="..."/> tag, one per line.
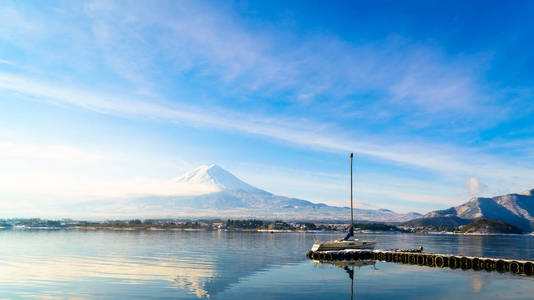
<point x="343" y="245"/>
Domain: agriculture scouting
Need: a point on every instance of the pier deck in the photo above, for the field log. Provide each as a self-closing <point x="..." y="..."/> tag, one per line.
<point x="437" y="260"/>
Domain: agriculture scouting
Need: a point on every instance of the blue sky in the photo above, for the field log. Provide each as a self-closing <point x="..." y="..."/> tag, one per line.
<point x="434" y="98"/>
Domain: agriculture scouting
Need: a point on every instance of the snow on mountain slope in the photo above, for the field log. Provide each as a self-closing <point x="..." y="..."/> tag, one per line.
<point x="515" y="209"/>
<point x="211" y="191"/>
<point x="215" y="178"/>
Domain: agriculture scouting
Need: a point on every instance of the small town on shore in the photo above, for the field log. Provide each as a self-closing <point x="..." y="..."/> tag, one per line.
<point x="483" y="226"/>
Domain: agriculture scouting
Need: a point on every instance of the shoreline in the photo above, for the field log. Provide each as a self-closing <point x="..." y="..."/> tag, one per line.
<point x="105" y="228"/>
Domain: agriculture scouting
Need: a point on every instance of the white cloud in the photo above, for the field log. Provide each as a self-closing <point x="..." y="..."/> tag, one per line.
<point x="56" y="173"/>
<point x="59" y="173"/>
<point x="216" y="46"/>
<point x="414" y="197"/>
<point x="6" y="62"/>
<point x="475" y="186"/>
<point x="140" y="186"/>
<point x="9" y="149"/>
<point x="442" y="158"/>
<point x="195" y="39"/>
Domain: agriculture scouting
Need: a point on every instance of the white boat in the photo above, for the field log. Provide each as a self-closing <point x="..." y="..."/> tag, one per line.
<point x="341" y="244"/>
<point x="349" y="241"/>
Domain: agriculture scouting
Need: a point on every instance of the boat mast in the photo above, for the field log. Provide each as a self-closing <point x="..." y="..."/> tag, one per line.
<point x="352" y="285"/>
<point x="351" y="209"/>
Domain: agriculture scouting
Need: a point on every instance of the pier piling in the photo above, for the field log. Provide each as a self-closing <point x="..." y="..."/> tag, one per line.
<point x="437" y="260"/>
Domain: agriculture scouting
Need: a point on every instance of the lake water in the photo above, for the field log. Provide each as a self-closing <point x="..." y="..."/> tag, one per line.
<point x="241" y="265"/>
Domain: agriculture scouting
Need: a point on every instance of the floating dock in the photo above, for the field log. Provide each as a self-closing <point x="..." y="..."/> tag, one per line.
<point x="417" y="257"/>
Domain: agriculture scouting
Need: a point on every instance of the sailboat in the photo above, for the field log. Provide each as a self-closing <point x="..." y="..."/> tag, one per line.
<point x="349" y="241"/>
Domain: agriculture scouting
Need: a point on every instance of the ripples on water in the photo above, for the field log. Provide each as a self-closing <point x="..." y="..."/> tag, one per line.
<point x="234" y="265"/>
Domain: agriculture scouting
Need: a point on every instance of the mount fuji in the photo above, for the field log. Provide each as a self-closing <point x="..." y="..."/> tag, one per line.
<point x="211" y="191"/>
<point x="217" y="179"/>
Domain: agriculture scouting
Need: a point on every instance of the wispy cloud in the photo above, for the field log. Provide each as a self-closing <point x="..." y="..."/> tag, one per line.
<point x="475" y="186"/>
<point x="55" y="173"/>
<point x="197" y="38"/>
<point x="371" y="191"/>
<point x="392" y="79"/>
<point x="437" y="157"/>
<point x="6" y="62"/>
<point x="396" y="100"/>
<point x="9" y="149"/>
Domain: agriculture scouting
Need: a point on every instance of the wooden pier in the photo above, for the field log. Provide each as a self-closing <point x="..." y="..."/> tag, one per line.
<point x="436" y="260"/>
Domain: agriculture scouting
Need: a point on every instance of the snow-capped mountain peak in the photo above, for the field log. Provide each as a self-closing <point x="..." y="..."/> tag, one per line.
<point x="211" y="191"/>
<point x="217" y="178"/>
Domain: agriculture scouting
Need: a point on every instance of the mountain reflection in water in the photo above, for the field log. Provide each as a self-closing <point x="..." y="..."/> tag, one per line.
<point x="203" y="263"/>
<point x="229" y="265"/>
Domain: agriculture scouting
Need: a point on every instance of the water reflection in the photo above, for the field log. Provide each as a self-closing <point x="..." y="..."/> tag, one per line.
<point x="35" y="271"/>
<point x="406" y="281"/>
<point x="203" y="264"/>
<point x="476" y="283"/>
<point x="227" y="265"/>
<point x="348" y="267"/>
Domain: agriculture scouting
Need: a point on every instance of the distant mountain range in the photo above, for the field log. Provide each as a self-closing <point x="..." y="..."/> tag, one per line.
<point x="218" y="193"/>
<point x="211" y="192"/>
<point x="514" y="209"/>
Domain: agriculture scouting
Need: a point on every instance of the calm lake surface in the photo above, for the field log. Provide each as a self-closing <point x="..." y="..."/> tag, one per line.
<point x="241" y="265"/>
